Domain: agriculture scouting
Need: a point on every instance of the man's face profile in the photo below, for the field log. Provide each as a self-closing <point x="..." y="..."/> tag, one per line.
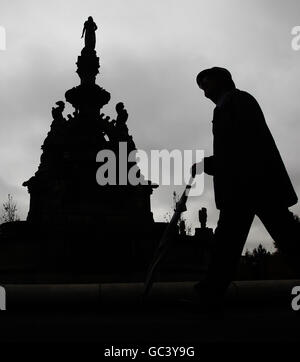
<point x="210" y="87"/>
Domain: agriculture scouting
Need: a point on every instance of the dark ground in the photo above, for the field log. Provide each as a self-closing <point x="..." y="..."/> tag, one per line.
<point x="254" y="330"/>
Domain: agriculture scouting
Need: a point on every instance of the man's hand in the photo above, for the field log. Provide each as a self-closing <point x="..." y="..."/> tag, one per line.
<point x="180" y="206"/>
<point x="197" y="169"/>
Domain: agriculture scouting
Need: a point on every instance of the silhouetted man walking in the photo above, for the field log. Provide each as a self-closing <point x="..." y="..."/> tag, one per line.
<point x="249" y="179"/>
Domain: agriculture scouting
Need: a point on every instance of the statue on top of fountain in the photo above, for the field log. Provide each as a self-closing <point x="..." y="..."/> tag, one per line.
<point x="88" y="32"/>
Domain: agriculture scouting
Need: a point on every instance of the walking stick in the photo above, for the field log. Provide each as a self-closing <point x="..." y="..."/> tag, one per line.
<point x="167" y="238"/>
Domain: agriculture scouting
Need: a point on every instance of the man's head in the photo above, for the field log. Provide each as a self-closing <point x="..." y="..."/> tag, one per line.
<point x="214" y="82"/>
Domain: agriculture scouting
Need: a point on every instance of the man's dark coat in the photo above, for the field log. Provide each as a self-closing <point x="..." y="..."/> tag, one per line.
<point x="246" y="164"/>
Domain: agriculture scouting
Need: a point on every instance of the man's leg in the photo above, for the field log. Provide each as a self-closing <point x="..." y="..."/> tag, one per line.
<point x="229" y="239"/>
<point x="285" y="231"/>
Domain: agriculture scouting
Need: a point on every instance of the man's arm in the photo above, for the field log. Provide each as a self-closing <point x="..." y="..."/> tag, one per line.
<point x="207" y="165"/>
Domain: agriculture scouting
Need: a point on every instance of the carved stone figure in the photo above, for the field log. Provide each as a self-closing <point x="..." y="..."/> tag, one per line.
<point x="57" y="111"/>
<point x="120" y="123"/>
<point x="88" y="32"/>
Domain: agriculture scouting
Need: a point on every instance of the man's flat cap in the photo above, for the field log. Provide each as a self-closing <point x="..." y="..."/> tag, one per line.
<point x="216" y="72"/>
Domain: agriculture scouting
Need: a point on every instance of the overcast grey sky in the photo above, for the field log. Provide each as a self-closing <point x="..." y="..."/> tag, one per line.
<point x="150" y="53"/>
